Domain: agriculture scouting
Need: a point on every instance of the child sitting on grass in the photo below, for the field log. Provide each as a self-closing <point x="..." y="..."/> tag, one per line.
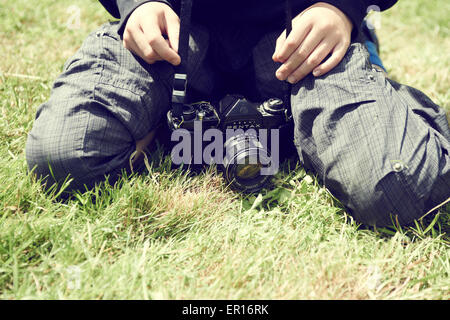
<point x="380" y="147"/>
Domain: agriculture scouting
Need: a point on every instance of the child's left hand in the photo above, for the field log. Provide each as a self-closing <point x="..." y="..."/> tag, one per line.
<point x="320" y="30"/>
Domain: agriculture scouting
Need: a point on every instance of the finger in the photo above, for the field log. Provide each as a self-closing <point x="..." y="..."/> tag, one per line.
<point x="139" y="45"/>
<point x="292" y="42"/>
<point x="162" y="48"/>
<point x="315" y="58"/>
<point x="157" y="42"/>
<point x="173" y="29"/>
<point x="299" y="55"/>
<point x="338" y="54"/>
<point x="278" y="45"/>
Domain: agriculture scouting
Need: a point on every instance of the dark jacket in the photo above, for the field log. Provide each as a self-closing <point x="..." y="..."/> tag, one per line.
<point x="236" y="26"/>
<point x="266" y="15"/>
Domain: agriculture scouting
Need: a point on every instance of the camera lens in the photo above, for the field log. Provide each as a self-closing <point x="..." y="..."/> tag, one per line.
<point x="247" y="171"/>
<point x="243" y="163"/>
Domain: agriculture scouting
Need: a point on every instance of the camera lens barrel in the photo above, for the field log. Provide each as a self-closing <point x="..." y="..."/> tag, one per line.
<point x="245" y="157"/>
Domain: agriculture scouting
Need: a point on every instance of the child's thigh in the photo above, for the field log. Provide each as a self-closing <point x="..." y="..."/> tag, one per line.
<point x="380" y="148"/>
<point x="103" y="102"/>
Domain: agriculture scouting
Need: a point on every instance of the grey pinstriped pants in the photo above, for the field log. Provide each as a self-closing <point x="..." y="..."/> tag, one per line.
<point x="380" y="147"/>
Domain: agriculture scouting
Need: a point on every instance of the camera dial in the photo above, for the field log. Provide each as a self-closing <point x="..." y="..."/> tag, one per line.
<point x="273" y="106"/>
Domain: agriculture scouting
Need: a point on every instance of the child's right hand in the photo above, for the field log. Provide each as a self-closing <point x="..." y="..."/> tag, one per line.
<point x="145" y="30"/>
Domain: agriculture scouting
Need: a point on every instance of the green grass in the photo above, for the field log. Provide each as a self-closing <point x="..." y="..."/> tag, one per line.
<point x="165" y="235"/>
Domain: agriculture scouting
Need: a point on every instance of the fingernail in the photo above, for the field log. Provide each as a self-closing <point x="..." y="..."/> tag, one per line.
<point x="316" y="73"/>
<point x="291" y="80"/>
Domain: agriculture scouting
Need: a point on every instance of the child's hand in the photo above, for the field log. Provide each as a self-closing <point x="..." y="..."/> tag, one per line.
<point x="145" y="31"/>
<point x="316" y="32"/>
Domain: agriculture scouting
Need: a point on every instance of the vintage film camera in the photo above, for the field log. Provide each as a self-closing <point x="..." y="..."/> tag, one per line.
<point x="251" y="152"/>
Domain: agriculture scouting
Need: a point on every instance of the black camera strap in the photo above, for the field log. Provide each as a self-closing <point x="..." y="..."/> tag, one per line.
<point x="180" y="76"/>
<point x="288" y="15"/>
<point x="288" y="25"/>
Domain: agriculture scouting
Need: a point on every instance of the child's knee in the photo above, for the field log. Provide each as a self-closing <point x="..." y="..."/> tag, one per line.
<point x="83" y="148"/>
<point x="386" y="201"/>
<point x="53" y="156"/>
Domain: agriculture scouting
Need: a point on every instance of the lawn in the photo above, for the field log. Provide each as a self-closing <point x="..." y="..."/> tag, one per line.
<point x="165" y="235"/>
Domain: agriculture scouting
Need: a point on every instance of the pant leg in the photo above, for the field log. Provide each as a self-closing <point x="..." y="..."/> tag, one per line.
<point x="380" y="147"/>
<point x="104" y="101"/>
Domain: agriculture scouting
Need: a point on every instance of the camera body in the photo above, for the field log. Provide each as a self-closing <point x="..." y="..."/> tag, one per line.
<point x="241" y="130"/>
